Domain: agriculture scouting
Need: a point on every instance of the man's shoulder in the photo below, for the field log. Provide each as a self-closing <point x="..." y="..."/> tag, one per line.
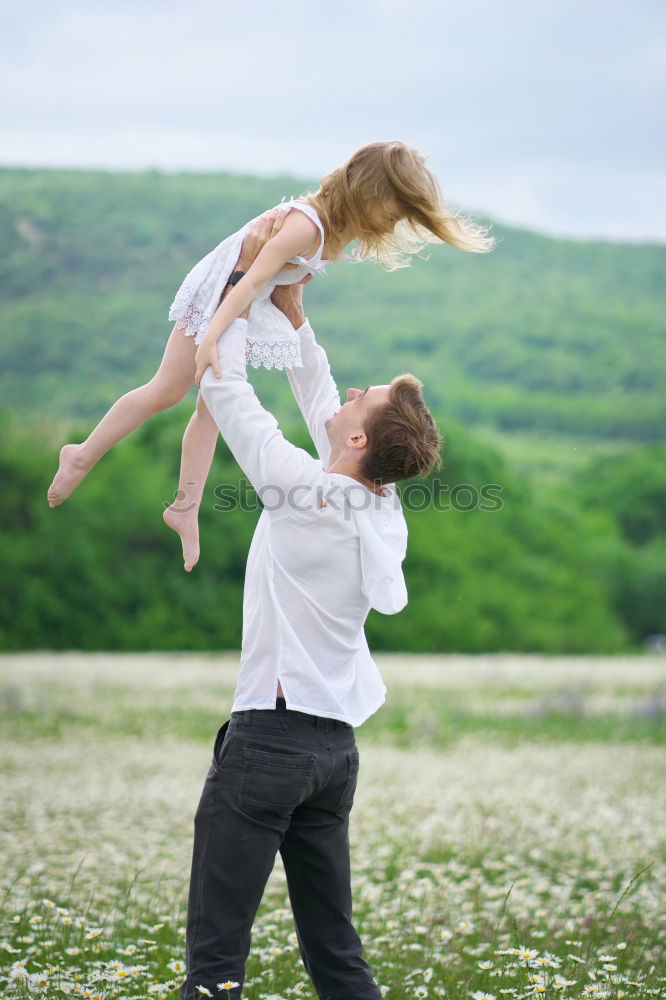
<point x="357" y="496"/>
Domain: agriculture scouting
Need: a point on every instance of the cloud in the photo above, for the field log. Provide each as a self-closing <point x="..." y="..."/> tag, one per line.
<point x="524" y="108"/>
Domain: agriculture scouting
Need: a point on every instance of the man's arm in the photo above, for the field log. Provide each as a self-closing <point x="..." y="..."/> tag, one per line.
<point x="313" y="386"/>
<point x="252" y="433"/>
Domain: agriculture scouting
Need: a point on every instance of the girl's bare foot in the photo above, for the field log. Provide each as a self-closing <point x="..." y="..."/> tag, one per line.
<point x="71" y="470"/>
<point x="186" y="524"/>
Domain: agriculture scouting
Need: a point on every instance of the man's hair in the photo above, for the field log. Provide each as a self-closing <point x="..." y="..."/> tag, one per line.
<point x="403" y="438"/>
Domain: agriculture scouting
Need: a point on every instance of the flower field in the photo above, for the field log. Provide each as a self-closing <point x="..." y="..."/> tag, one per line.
<point x="508" y="833"/>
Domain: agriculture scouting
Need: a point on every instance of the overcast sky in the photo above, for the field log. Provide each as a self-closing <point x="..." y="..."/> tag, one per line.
<point x="542" y="114"/>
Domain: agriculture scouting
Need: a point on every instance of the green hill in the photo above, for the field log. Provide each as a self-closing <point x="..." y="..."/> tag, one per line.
<point x="542" y="360"/>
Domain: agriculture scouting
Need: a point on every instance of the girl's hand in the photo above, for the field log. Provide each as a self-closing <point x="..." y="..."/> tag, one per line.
<point x="206" y="355"/>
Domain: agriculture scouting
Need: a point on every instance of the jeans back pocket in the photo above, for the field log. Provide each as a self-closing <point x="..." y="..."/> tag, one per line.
<point x="273" y="784"/>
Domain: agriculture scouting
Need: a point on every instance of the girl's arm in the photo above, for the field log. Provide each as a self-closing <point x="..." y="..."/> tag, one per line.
<point x="297" y="233"/>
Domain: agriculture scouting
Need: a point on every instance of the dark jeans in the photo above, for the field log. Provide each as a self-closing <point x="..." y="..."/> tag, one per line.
<point x="279" y="780"/>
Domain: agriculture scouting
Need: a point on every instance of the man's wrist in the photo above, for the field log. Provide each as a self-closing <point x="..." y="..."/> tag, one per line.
<point x="295" y="315"/>
<point x="243" y="263"/>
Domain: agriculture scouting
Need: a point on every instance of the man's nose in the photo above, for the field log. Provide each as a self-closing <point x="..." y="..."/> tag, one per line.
<point x="352" y="394"/>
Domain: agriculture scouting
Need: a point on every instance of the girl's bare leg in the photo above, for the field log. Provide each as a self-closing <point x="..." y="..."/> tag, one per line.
<point x="167" y="387"/>
<point x="199" y="443"/>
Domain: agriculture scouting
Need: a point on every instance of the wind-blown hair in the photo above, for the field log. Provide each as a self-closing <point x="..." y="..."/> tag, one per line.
<point x="372" y="175"/>
<point x="403" y="438"/>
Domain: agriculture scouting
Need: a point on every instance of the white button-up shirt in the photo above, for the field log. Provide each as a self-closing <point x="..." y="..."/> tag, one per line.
<point x="325" y="550"/>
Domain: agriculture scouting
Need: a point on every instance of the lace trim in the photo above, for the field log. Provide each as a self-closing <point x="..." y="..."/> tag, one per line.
<point x="183" y="311"/>
<point x="279" y="354"/>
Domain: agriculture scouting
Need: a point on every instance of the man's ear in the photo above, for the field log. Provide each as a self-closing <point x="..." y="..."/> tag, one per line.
<point x="358" y="440"/>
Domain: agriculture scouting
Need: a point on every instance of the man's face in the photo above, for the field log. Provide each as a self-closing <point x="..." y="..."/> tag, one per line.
<point x="350" y="418"/>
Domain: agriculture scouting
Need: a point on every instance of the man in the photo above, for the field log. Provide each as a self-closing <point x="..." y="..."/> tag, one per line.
<point x="328" y="546"/>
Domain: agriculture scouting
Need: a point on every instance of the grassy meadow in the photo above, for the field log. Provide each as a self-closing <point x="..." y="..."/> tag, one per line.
<point x="508" y="833"/>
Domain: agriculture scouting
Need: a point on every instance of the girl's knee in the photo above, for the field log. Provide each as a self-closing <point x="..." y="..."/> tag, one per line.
<point x="166" y="394"/>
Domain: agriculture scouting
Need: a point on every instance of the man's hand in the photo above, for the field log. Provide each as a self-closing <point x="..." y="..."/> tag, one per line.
<point x="289" y="300"/>
<point x="266" y="226"/>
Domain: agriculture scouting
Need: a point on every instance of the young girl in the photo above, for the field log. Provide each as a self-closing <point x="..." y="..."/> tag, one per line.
<point x="381" y="185"/>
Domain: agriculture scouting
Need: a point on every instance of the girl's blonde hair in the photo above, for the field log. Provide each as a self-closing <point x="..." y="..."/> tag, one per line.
<point x="370" y="176"/>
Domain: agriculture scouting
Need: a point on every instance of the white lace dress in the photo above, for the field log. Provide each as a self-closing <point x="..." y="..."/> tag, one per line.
<point x="271" y="340"/>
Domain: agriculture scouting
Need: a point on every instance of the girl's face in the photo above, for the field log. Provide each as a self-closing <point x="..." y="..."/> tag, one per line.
<point x="384" y="215"/>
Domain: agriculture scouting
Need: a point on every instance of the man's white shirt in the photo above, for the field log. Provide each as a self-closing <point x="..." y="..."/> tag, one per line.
<point x="325" y="550"/>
